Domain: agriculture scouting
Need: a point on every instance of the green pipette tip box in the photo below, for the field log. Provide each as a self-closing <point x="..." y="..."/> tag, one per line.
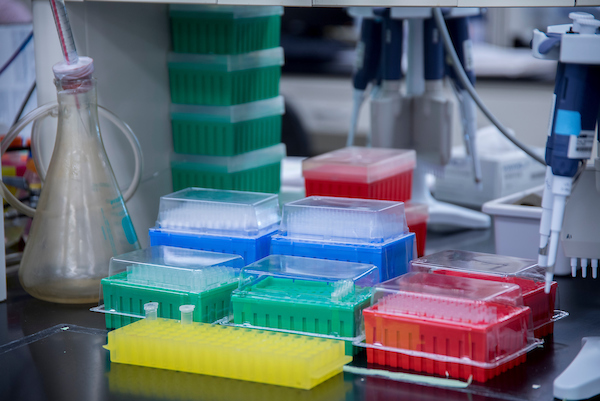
<point x="305" y="295"/>
<point x="172" y="277"/>
<point x="209" y="29"/>
<point x="226" y="130"/>
<point x="224" y="80"/>
<point x="256" y="171"/>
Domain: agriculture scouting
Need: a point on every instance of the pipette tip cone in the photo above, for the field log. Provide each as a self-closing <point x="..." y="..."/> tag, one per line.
<point x="549" y="277"/>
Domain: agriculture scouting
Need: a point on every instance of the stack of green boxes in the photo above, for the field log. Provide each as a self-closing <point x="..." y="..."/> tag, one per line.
<point x="226" y="112"/>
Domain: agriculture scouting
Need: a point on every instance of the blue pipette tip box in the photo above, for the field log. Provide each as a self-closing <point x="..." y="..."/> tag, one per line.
<point x="352" y="230"/>
<point x="240" y="223"/>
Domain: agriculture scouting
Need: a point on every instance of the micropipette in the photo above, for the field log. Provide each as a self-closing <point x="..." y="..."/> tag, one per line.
<point x="459" y="31"/>
<point x="368" y="51"/>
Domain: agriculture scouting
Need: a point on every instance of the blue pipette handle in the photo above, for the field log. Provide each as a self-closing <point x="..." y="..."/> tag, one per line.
<point x="459" y="32"/>
<point x="577" y="106"/>
<point x="434" y="51"/>
<point x="391" y="57"/>
<point x="560" y="71"/>
<point x="368" y="52"/>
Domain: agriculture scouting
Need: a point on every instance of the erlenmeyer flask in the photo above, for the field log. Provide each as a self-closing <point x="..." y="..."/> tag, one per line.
<point x="81" y="219"/>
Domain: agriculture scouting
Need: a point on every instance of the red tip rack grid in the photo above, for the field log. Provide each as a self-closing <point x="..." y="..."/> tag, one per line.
<point x="356" y="172"/>
<point x="522" y="272"/>
<point x="448" y="326"/>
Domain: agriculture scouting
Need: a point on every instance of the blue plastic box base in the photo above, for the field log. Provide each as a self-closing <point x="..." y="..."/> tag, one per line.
<point x="392" y="258"/>
<point x="251" y="249"/>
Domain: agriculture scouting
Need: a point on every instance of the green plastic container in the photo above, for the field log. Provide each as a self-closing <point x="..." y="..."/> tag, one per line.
<point x="210" y="305"/>
<point x="256" y="171"/>
<point x="172" y="277"/>
<point x="210" y="29"/>
<point x="225" y="80"/>
<point x="226" y="130"/>
<point x="304" y="295"/>
<point x="317" y="315"/>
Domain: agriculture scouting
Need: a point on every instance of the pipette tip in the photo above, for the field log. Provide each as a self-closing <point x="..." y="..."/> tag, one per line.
<point x="549" y="278"/>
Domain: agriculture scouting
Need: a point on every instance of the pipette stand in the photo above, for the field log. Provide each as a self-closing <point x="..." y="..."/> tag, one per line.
<point x="442" y="216"/>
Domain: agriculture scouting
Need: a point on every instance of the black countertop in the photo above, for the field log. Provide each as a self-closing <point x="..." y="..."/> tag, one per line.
<point x="54" y="352"/>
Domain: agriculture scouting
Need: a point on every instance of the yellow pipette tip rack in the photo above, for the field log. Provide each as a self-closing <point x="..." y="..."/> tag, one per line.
<point x="232" y="352"/>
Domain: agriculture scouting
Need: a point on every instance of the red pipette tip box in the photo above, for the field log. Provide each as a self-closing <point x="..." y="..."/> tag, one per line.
<point x="417" y="215"/>
<point x="448" y="326"/>
<point x="523" y="272"/>
<point x="357" y="172"/>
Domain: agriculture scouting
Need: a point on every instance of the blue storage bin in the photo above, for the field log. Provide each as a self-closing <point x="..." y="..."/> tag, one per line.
<point x="391" y="257"/>
<point x="249" y="248"/>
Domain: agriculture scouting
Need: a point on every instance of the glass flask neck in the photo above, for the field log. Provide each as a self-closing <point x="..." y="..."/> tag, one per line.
<point x="78" y="106"/>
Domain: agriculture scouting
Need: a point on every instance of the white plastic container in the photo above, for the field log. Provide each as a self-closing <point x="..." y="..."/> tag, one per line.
<point x="517" y="225"/>
<point x="505" y="170"/>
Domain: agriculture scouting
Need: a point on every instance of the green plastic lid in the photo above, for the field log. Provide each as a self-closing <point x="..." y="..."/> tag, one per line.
<point x="227" y="62"/>
<point x="231" y="164"/>
<point x="230" y="114"/>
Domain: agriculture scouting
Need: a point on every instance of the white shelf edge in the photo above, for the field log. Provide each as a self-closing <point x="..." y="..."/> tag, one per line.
<point x="378" y="3"/>
<point x="517" y="3"/>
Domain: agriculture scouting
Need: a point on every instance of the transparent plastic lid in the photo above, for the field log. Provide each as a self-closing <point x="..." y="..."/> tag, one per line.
<point x="416" y="213"/>
<point x="229" y="114"/>
<point x="222" y="11"/>
<point x="227" y="62"/>
<point x="219" y="212"/>
<point x="484" y="263"/>
<point x="231" y="164"/>
<point x="171" y="268"/>
<point x="358" y="164"/>
<point x="356" y="221"/>
<point x="449" y="318"/>
<point x="308" y="269"/>
<point x="452" y="294"/>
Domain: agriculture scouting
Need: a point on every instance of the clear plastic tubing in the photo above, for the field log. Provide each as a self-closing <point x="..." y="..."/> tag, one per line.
<point x="65" y="36"/>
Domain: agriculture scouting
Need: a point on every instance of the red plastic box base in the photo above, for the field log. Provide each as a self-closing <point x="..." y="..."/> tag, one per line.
<point x="479" y="343"/>
<point x="395" y="188"/>
<point x="444" y="369"/>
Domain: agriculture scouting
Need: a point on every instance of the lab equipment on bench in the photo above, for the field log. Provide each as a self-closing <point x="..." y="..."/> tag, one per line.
<point x="368" y="50"/>
<point x="232" y="352"/>
<point x="505" y="170"/>
<point x="169" y="277"/>
<point x="572" y="125"/>
<point x="81" y="218"/>
<point x="581" y="379"/>
<point x="234" y="222"/>
<point x="304" y="295"/>
<point x="417" y="215"/>
<point x="354" y="230"/>
<point x="451" y="326"/>
<point x="358" y="172"/>
<point x="421" y="118"/>
<point x="522" y="272"/>
<point x="517" y="224"/>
